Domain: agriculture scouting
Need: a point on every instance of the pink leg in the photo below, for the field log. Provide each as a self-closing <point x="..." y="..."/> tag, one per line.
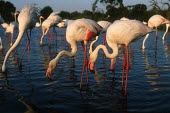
<point x="85" y="65"/>
<point x="127" y="68"/>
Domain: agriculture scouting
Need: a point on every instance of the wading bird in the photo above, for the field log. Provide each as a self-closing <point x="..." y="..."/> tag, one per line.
<point x="120" y="32"/>
<point x="51" y="21"/>
<point x="155" y="21"/>
<point x="27" y="20"/>
<point x="81" y="30"/>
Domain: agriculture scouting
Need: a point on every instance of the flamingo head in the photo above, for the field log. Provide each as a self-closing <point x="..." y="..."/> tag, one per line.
<point x="51" y="66"/>
<point x="91" y="65"/>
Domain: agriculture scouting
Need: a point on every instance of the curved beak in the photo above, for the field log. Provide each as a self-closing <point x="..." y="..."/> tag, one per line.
<point x="91" y="65"/>
<point x="48" y="72"/>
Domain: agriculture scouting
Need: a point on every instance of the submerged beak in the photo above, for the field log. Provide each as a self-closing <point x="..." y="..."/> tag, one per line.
<point x="48" y="73"/>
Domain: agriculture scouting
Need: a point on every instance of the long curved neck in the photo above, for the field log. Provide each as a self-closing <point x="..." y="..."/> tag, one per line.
<point x="91" y="45"/>
<point x="67" y="53"/>
<point x="12" y="48"/>
<point x="94" y="54"/>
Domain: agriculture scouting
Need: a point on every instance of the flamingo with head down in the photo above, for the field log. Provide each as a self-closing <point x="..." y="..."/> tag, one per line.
<point x="81" y="30"/>
<point x="27" y="20"/>
<point x="52" y="20"/>
<point x="155" y="21"/>
<point x="120" y="32"/>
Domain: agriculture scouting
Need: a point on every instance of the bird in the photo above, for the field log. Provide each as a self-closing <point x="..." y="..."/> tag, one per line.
<point x="27" y="20"/>
<point x="155" y="21"/>
<point x="167" y="27"/>
<point x="81" y="30"/>
<point x="38" y="24"/>
<point x="12" y="27"/>
<point x="104" y="25"/>
<point x="120" y="32"/>
<point x="52" y="20"/>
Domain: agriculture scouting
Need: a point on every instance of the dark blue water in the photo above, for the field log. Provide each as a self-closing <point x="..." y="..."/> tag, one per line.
<point x="27" y="90"/>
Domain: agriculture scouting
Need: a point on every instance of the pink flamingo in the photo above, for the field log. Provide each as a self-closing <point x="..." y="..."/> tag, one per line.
<point x="120" y="32"/>
<point x="81" y="30"/>
<point x="27" y="20"/>
<point x="155" y="21"/>
<point x="51" y="21"/>
<point x="38" y="24"/>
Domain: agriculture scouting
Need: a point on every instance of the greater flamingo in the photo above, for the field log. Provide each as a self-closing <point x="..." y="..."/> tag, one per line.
<point x="38" y="24"/>
<point x="81" y="30"/>
<point x="155" y="21"/>
<point x="120" y="32"/>
<point x="51" y="21"/>
<point x="12" y="27"/>
<point x="27" y="20"/>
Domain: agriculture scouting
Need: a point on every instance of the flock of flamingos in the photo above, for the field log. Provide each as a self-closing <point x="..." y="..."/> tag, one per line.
<point x="120" y="32"/>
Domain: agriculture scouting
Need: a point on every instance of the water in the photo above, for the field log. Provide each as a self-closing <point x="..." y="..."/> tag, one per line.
<point x="27" y="90"/>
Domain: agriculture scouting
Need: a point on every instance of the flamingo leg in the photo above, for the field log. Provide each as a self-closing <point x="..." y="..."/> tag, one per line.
<point x="104" y="41"/>
<point x="85" y="65"/>
<point x="156" y="38"/>
<point x="127" y="68"/>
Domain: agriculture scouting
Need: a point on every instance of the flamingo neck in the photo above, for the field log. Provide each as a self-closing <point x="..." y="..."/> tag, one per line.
<point x="94" y="54"/>
<point x="12" y="48"/>
<point x="67" y="53"/>
<point x="91" y="45"/>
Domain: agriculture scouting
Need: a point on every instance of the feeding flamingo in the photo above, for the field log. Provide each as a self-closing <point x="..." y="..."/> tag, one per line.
<point x="155" y="21"/>
<point x="27" y="20"/>
<point x="120" y="32"/>
<point x="81" y="30"/>
<point x="51" y="21"/>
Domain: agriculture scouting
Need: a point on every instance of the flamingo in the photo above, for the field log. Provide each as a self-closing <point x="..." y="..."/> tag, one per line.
<point x="27" y="20"/>
<point x="51" y="21"/>
<point x="155" y="21"/>
<point x="81" y="30"/>
<point x="12" y="27"/>
<point x="38" y="24"/>
<point x="104" y="25"/>
<point x="120" y="32"/>
<point x="167" y="27"/>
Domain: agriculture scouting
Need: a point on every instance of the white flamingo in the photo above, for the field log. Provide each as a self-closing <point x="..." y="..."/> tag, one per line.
<point x="51" y="21"/>
<point x="81" y="30"/>
<point x="120" y="32"/>
<point x="27" y="20"/>
<point x="155" y="21"/>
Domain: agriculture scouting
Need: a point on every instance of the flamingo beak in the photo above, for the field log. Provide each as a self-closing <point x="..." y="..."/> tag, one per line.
<point x="91" y="65"/>
<point x="48" y="73"/>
